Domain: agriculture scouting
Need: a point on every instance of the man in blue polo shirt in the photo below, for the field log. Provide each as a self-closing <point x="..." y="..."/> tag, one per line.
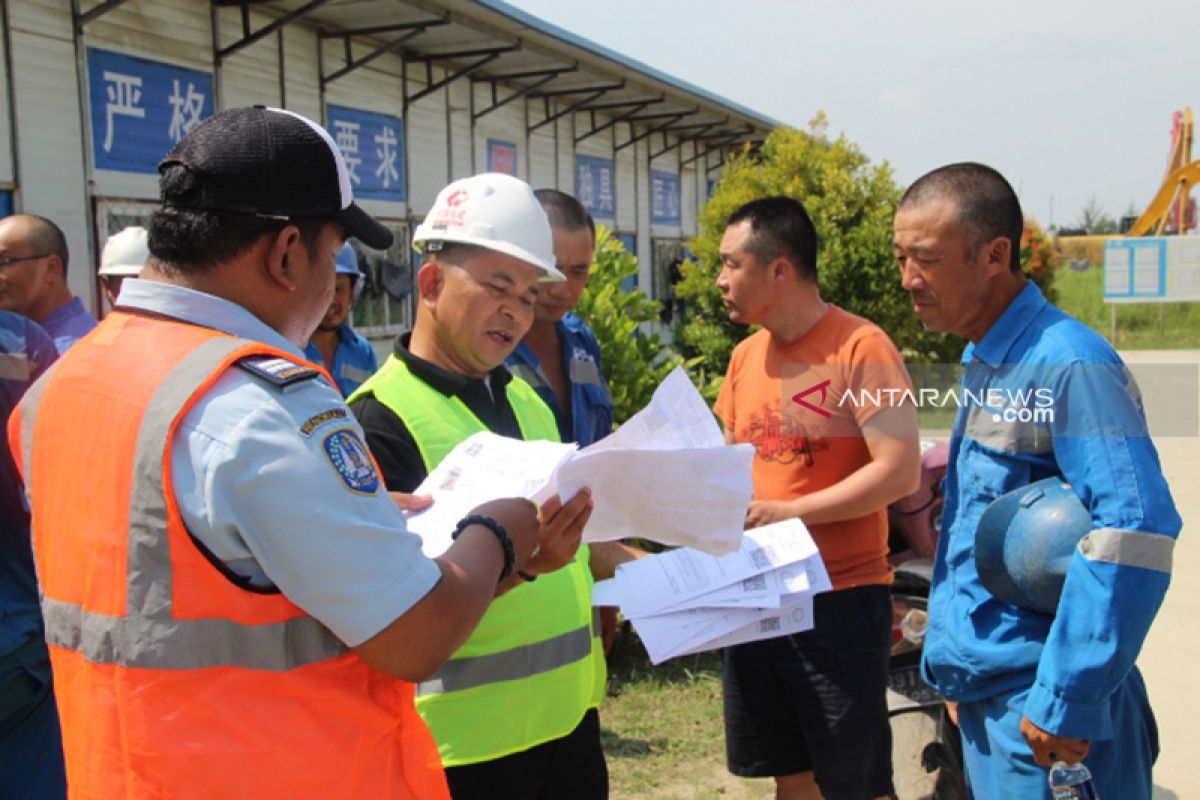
<point x="33" y="279"/>
<point x="348" y="356"/>
<point x="1043" y="396"/>
<point x="560" y="357"/>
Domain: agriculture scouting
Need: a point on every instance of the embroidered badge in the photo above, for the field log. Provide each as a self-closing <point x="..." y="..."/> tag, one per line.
<point x="352" y="461"/>
<point x="318" y="420"/>
<point x="278" y="371"/>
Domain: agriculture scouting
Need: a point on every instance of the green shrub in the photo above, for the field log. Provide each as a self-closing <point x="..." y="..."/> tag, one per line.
<point x="634" y="362"/>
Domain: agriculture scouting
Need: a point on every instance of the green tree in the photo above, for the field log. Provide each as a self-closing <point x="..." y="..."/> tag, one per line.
<point x="634" y="362"/>
<point x="851" y="202"/>
<point x="1094" y="219"/>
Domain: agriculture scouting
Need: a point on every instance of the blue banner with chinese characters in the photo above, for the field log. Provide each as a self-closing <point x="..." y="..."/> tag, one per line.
<point x="502" y="157"/>
<point x="595" y="185"/>
<point x="140" y="108"/>
<point x="373" y="146"/>
<point x="664" y="197"/>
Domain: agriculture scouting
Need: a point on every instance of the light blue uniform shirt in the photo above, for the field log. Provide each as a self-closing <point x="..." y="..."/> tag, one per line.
<point x="68" y="323"/>
<point x="1036" y="357"/>
<point x="262" y="481"/>
<point x="353" y="361"/>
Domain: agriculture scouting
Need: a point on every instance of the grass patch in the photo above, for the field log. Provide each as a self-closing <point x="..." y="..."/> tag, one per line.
<point x="1081" y="294"/>
<point x="663" y="729"/>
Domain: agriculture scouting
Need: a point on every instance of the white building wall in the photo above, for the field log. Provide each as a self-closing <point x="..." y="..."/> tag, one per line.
<point x="7" y="166"/>
<point x="627" y="204"/>
<point x="462" y="153"/>
<point x="429" y="168"/>
<point x="642" y="189"/>
<point x="301" y="78"/>
<point x="49" y="132"/>
<point x="505" y="124"/>
<point x="542" y="164"/>
<point x="249" y="76"/>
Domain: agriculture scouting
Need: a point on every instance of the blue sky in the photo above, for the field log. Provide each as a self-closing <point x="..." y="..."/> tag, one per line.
<point x="1070" y="100"/>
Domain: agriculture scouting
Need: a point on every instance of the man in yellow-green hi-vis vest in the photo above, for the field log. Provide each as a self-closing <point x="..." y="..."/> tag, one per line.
<point x="514" y="710"/>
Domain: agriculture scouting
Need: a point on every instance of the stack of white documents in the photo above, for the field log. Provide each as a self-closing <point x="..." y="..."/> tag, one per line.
<point x="684" y="601"/>
<point x="665" y="475"/>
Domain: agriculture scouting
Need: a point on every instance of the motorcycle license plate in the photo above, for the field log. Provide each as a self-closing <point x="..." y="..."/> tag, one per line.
<point x="907" y="689"/>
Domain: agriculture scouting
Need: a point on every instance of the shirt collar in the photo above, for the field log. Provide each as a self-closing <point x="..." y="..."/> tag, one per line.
<point x="201" y="308"/>
<point x="995" y="345"/>
<point x="445" y="381"/>
<point x="68" y="310"/>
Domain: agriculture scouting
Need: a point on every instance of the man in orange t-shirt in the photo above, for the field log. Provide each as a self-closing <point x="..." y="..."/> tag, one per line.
<point x="820" y="394"/>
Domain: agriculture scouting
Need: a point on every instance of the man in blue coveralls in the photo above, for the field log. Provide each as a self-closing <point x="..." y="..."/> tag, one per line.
<point x="1030" y="688"/>
<point x="31" y="757"/>
<point x="348" y="356"/>
<point x="560" y="357"/>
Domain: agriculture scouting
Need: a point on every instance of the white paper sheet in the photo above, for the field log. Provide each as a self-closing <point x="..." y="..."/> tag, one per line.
<point x="484" y="467"/>
<point x="666" y="475"/>
<point x="669" y="579"/>
<point x="687" y="498"/>
<point x="796" y="617"/>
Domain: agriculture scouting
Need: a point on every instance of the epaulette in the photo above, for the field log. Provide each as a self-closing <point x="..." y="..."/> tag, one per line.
<point x="278" y="371"/>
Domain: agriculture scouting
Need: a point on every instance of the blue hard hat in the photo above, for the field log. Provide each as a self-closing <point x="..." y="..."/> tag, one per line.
<point x="347" y="261"/>
<point x="1025" y="541"/>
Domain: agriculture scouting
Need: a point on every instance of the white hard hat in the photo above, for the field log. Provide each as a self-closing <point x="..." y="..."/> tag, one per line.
<point x="125" y="253"/>
<point x="494" y="211"/>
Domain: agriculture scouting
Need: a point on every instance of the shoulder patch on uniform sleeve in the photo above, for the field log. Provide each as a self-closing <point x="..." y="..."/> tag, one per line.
<point x="352" y="461"/>
<point x="278" y="371"/>
<point x="317" y="420"/>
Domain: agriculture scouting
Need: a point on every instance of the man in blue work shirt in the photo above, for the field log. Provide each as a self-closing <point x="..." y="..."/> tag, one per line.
<point x="33" y="279"/>
<point x="349" y="357"/>
<point x="31" y="759"/>
<point x="560" y="357"/>
<point x="1030" y="688"/>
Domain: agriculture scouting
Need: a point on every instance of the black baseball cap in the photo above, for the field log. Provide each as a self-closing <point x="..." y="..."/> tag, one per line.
<point x="272" y="163"/>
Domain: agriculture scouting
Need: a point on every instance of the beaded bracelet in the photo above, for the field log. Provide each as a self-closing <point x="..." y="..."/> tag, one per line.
<point x="510" y="555"/>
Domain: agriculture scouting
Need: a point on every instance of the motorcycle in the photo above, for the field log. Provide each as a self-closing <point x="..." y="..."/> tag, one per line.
<point x="926" y="747"/>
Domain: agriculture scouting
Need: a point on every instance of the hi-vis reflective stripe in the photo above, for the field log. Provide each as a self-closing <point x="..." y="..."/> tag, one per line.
<point x="1129" y="548"/>
<point x="148" y="636"/>
<point x="15" y="367"/>
<point x="188" y="643"/>
<point x="510" y="665"/>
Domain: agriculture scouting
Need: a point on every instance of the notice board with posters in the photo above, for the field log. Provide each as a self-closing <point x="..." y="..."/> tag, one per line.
<point x="1152" y="269"/>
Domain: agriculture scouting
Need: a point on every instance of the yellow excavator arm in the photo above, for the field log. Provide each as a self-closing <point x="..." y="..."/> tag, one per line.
<point x="1182" y="174"/>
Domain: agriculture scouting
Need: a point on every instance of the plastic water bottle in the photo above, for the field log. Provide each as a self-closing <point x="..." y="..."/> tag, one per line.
<point x="1071" y="782"/>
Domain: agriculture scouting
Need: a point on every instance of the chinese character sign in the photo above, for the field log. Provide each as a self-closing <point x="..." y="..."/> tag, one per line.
<point x="502" y="157"/>
<point x="595" y="180"/>
<point x="141" y="108"/>
<point x="664" y="197"/>
<point x="373" y="147"/>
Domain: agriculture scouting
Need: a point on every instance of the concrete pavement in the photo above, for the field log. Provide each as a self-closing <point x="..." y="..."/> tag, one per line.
<point x="1170" y="659"/>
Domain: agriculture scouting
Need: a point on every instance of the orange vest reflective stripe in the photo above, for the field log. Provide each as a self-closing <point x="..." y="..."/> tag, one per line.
<point x="173" y="681"/>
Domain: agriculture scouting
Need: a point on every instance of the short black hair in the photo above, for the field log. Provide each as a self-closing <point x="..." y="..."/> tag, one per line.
<point x="987" y="207"/>
<point x="45" y="236"/>
<point x="190" y="241"/>
<point x="565" y="212"/>
<point x="780" y="228"/>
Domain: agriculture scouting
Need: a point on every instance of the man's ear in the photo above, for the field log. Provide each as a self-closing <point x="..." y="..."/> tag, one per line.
<point x="430" y="281"/>
<point x="997" y="256"/>
<point x="781" y="268"/>
<point x="280" y="256"/>
<point x="57" y="272"/>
